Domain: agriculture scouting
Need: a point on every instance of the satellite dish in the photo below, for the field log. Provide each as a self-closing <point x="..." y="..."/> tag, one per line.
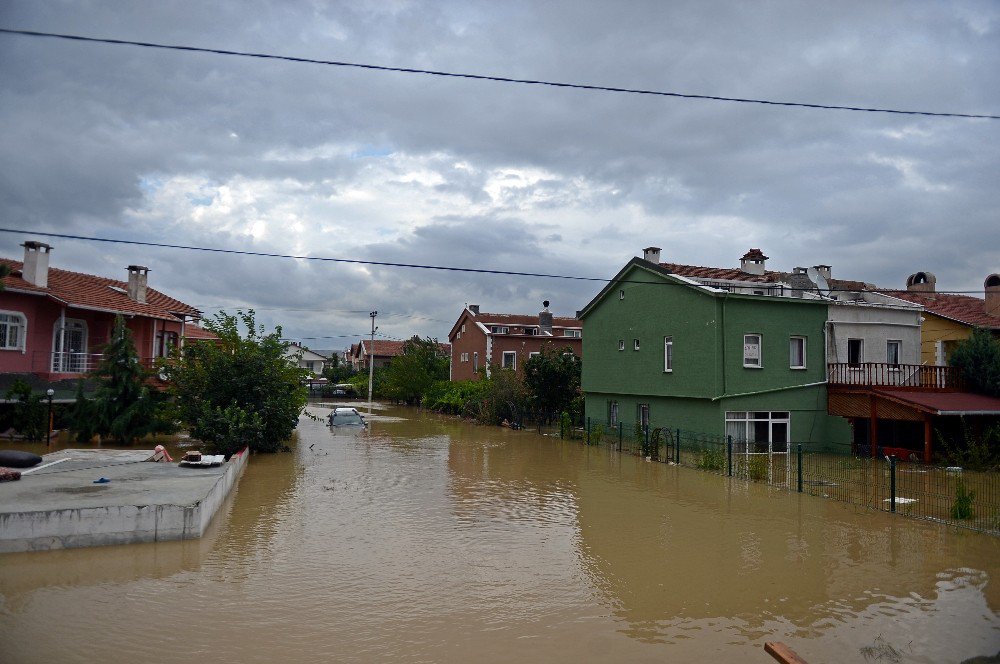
<point x="821" y="283"/>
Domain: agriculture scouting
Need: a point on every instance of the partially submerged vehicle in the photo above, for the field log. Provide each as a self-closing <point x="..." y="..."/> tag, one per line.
<point x="346" y="417"/>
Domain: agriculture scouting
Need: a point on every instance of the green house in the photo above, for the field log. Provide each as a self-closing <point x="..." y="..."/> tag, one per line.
<point x="744" y="359"/>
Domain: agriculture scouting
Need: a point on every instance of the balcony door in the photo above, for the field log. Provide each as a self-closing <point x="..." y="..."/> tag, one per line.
<point x="69" y="346"/>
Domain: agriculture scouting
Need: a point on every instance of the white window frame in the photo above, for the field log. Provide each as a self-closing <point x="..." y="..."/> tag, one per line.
<point x="475" y="361"/>
<point x="22" y="330"/>
<point x="750" y="362"/>
<point x="513" y="363"/>
<point x="668" y="354"/>
<point x="741" y="426"/>
<point x="621" y="344"/>
<point x="613" y="414"/>
<point x="534" y="353"/>
<point x="573" y="334"/>
<point x="69" y="362"/>
<point x="621" y="295"/>
<point x="791" y="352"/>
<point x="499" y="329"/>
<point x="635" y="344"/>
<point x="898" y="343"/>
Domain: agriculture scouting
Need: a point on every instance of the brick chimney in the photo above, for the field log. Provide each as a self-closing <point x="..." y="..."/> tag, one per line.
<point x="474" y="308"/>
<point x="137" y="283"/>
<point x="753" y="262"/>
<point x="992" y="288"/>
<point x="545" y="319"/>
<point x="36" y="263"/>
<point x="651" y="254"/>
<point x="921" y="282"/>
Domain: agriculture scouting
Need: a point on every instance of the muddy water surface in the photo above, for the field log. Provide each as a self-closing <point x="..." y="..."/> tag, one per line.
<point x="433" y="540"/>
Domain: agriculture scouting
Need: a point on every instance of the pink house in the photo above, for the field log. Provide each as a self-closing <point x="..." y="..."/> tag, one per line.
<point x="53" y="323"/>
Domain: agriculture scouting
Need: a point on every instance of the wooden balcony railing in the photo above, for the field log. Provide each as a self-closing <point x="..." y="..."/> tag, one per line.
<point x="880" y="374"/>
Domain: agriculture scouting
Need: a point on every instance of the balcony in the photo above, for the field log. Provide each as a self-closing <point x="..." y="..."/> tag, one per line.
<point x="904" y="376"/>
<point x="56" y="366"/>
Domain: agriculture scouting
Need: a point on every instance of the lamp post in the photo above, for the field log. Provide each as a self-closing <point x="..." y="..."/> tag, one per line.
<point x="48" y="432"/>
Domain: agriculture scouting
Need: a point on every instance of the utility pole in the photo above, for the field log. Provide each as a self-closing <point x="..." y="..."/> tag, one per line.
<point x="371" y="362"/>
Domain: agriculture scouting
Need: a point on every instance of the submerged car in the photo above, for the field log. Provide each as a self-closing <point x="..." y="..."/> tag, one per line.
<point x="346" y="417"/>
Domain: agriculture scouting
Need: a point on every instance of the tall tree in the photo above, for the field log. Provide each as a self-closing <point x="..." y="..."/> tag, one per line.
<point x="553" y="381"/>
<point x="411" y="374"/>
<point x="123" y="407"/>
<point x="241" y="390"/>
<point x="979" y="359"/>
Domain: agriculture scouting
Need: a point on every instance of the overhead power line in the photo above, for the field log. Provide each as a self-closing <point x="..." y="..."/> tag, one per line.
<point x="416" y="266"/>
<point x="484" y="77"/>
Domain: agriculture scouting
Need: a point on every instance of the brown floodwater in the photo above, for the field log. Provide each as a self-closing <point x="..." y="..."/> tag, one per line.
<point x="429" y="539"/>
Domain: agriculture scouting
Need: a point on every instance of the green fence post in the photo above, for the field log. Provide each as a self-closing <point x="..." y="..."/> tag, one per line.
<point x="729" y="453"/>
<point x="619" y="435"/>
<point x="800" y="467"/>
<point x="677" y="447"/>
<point x="892" y="483"/>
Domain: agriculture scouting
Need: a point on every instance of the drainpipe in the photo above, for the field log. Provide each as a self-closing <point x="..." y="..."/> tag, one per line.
<point x="725" y="298"/>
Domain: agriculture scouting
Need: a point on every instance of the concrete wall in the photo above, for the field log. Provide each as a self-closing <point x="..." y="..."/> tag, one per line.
<point x="876" y="326"/>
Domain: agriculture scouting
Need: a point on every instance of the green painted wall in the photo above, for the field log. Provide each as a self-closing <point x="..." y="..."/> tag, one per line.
<point x="708" y="376"/>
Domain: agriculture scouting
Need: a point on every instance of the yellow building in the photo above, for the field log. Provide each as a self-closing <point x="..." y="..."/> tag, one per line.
<point x="948" y="318"/>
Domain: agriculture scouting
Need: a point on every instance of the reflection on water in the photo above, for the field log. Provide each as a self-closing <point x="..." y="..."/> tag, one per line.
<point x="429" y="539"/>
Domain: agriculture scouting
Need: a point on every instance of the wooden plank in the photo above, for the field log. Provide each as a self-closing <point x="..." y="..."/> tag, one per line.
<point x="782" y="653"/>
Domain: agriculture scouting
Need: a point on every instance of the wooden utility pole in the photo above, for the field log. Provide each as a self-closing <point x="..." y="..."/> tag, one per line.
<point x="371" y="362"/>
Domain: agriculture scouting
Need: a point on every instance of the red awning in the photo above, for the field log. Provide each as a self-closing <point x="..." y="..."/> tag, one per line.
<point x="946" y="403"/>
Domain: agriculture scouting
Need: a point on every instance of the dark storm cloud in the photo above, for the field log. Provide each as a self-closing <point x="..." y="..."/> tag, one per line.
<point x="309" y="160"/>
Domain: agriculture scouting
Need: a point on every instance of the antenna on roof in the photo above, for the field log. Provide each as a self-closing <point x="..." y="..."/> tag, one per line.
<point x="822" y="286"/>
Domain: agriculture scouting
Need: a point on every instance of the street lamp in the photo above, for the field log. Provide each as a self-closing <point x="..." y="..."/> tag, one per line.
<point x="48" y="433"/>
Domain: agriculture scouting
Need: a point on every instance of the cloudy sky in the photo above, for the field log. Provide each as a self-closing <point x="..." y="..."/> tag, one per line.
<point x="267" y="156"/>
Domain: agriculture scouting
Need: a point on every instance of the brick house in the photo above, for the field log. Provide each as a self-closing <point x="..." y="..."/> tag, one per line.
<point x="53" y="323"/>
<point x="380" y="352"/>
<point x="480" y="340"/>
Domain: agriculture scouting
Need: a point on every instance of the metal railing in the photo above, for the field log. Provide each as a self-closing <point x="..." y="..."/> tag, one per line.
<point x="74" y="363"/>
<point x="953" y="495"/>
<point x="882" y="374"/>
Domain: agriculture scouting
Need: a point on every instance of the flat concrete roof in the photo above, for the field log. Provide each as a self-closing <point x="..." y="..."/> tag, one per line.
<point x="56" y="504"/>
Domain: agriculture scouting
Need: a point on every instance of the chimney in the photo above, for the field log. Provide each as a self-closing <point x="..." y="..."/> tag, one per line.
<point x="753" y="262"/>
<point x="36" y="263"/>
<point x="137" y="283"/>
<point x="800" y="282"/>
<point x="474" y="308"/>
<point x="651" y="254"/>
<point x="825" y="271"/>
<point x="992" y="288"/>
<point x="545" y="319"/>
<point x="921" y="282"/>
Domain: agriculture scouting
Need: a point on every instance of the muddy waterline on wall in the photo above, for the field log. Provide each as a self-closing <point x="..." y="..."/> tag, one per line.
<point x="428" y="539"/>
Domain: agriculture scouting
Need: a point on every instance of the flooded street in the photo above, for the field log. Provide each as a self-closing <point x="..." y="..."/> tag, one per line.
<point x="433" y="540"/>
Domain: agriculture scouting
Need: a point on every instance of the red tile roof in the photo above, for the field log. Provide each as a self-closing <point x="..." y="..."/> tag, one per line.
<point x="197" y="332"/>
<point x="736" y="274"/>
<point x="961" y="308"/>
<point x="392" y="348"/>
<point x="948" y="403"/>
<point x="88" y="291"/>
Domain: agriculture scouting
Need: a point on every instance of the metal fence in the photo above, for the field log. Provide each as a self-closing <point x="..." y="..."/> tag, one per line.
<point x="952" y="495"/>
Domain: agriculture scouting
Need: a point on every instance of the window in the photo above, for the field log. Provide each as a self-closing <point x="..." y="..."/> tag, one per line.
<point x="533" y="331"/>
<point x="643" y="415"/>
<point x="797" y="352"/>
<point x="751" y="351"/>
<point x="758" y="431"/>
<point x="463" y="327"/>
<point x="475" y="361"/>
<point x="613" y="413"/>
<point x="533" y="354"/>
<point x="572" y="333"/>
<point x="621" y="295"/>
<point x="12" y="327"/>
<point x="668" y="354"/>
<point x="892" y="351"/>
<point x="499" y="329"/>
<point x="509" y="359"/>
<point x="635" y="344"/>
<point x="621" y="344"/>
<point x="855" y="351"/>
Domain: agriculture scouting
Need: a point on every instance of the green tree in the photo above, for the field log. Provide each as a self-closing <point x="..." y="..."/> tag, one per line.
<point x="979" y="359"/>
<point x="337" y="371"/>
<point x="411" y="374"/>
<point x="123" y="407"/>
<point x="27" y="416"/>
<point x="241" y="390"/>
<point x="552" y="379"/>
